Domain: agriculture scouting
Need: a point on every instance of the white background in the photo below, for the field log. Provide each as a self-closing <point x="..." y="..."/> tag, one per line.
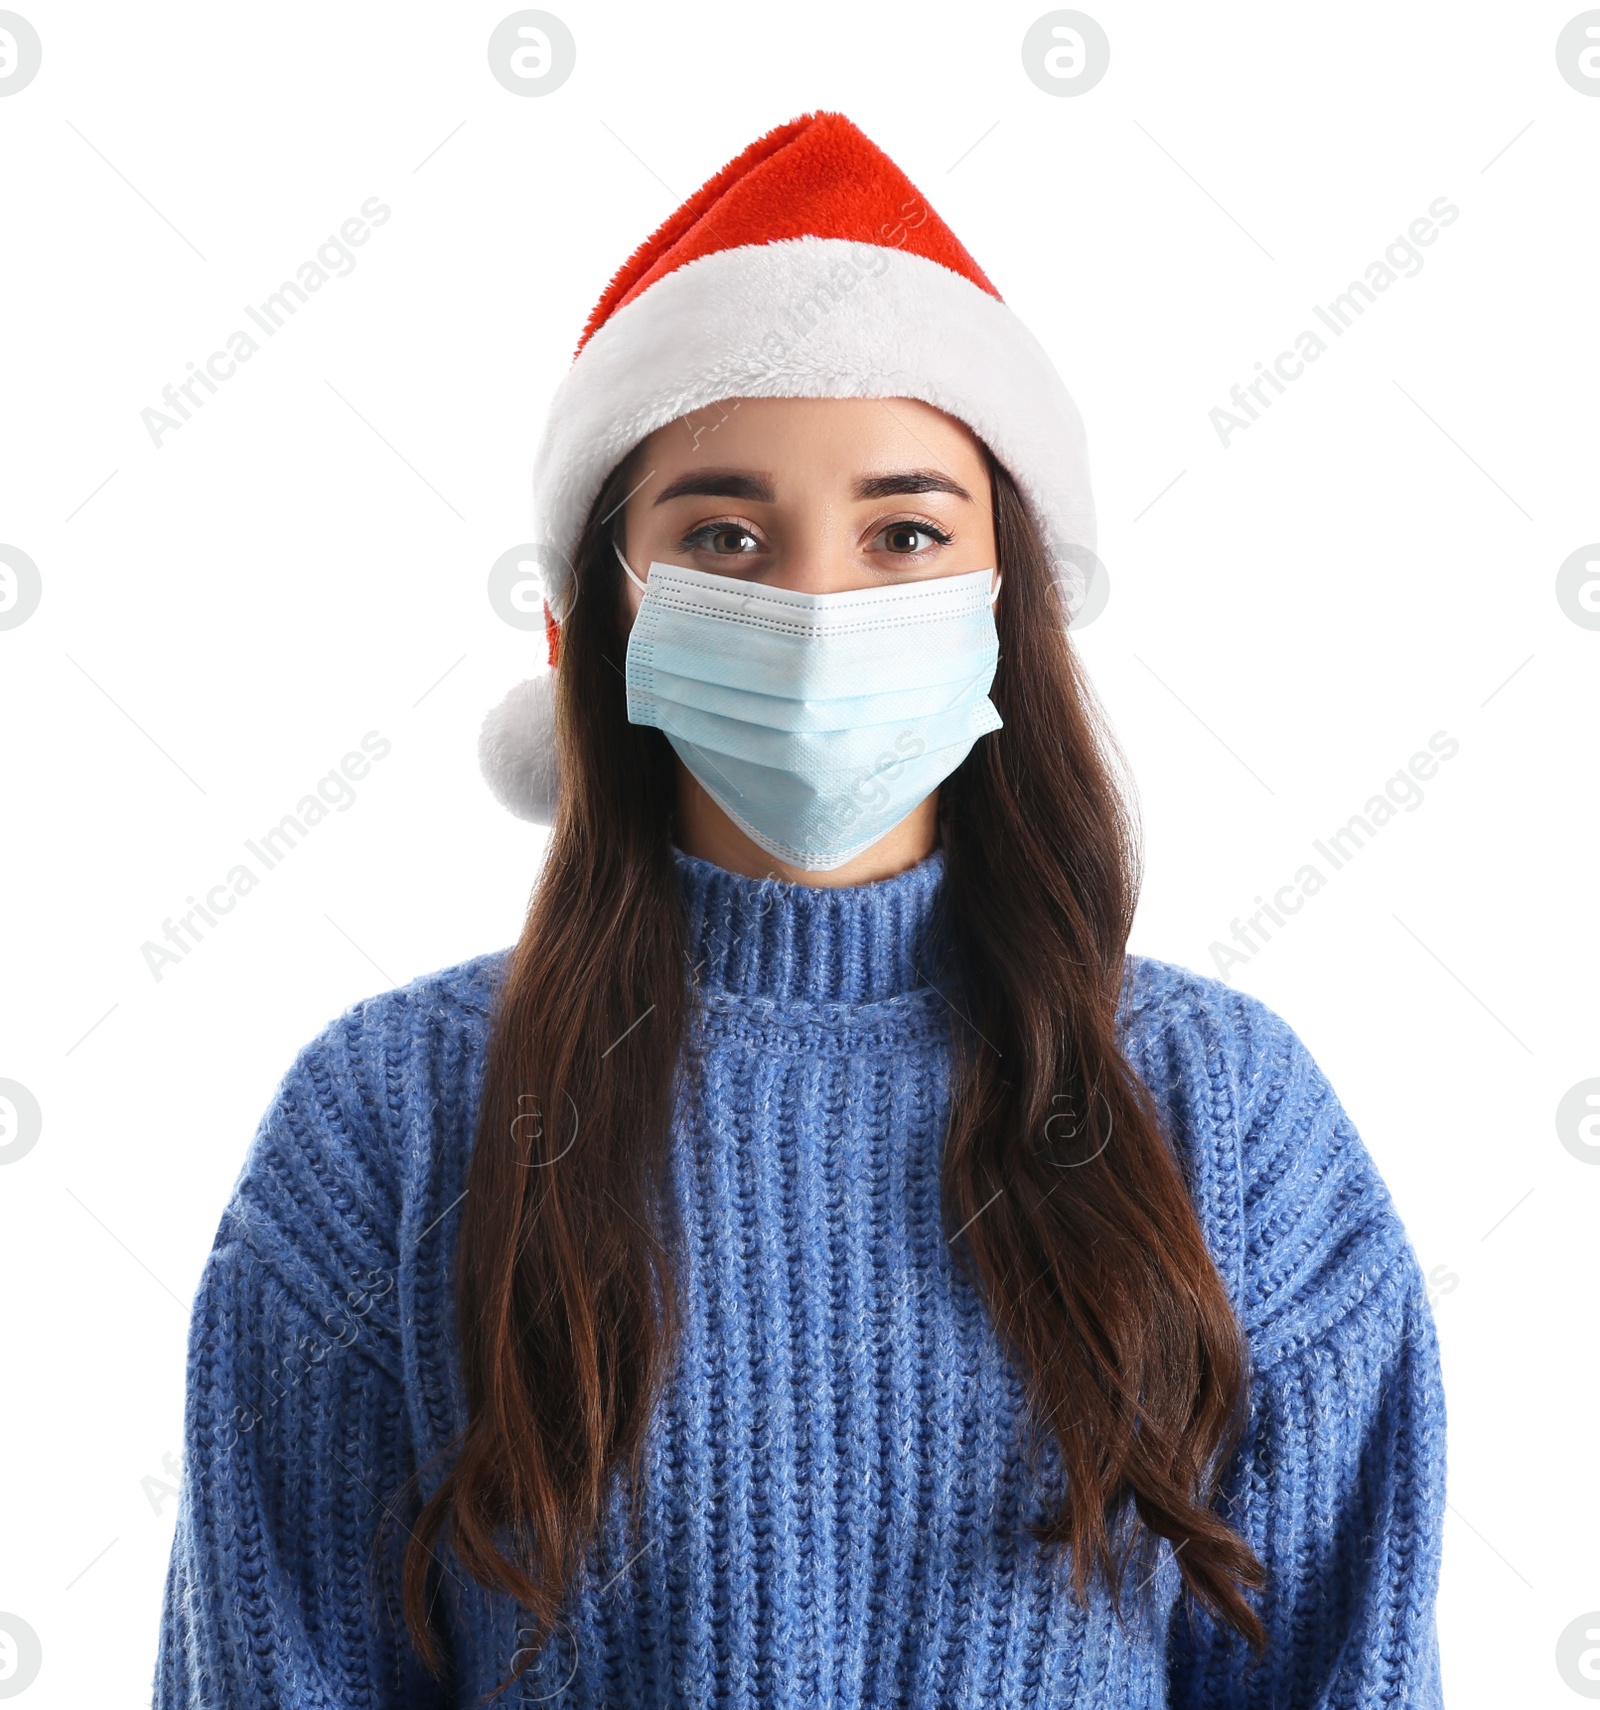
<point x="224" y="617"/>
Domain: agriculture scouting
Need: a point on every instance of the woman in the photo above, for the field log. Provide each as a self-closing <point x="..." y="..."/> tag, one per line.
<point x="816" y="1264"/>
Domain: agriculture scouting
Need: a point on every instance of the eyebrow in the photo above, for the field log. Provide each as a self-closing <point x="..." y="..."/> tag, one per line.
<point x="758" y="489"/>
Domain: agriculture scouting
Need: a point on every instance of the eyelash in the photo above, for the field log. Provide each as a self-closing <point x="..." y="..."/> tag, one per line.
<point x="697" y="536"/>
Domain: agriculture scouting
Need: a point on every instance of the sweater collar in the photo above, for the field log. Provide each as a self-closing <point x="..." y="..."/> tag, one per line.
<point x="767" y="938"/>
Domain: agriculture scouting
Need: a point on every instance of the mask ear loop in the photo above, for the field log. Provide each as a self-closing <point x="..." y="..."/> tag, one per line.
<point x="624" y="563"/>
<point x="995" y="592"/>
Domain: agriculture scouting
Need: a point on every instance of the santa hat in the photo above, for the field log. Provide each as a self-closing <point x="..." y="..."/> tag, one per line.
<point x="810" y="266"/>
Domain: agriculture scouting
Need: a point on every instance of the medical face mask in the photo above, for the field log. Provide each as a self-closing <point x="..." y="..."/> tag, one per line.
<point x="817" y="722"/>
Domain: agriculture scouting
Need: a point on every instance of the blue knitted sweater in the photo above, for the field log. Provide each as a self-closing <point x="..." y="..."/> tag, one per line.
<point x="835" y="1510"/>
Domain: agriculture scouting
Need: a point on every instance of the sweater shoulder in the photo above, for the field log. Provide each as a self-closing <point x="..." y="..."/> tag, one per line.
<point x="351" y="1136"/>
<point x="1196" y="1034"/>
<point x="450" y="996"/>
<point x="1297" y="1216"/>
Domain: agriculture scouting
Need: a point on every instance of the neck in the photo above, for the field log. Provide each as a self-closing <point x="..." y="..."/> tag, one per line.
<point x="705" y="831"/>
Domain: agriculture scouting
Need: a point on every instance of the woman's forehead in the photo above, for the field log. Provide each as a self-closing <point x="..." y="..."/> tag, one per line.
<point x="847" y="436"/>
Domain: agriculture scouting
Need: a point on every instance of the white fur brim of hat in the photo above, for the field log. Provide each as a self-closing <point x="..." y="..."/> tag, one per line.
<point x="814" y="317"/>
<point x="804" y="317"/>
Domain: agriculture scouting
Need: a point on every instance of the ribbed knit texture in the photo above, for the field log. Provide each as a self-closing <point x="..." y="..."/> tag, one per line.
<point x="835" y="1504"/>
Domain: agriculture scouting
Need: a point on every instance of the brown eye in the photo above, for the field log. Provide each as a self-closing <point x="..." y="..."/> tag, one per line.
<point x="727" y="540"/>
<point x="906" y="539"/>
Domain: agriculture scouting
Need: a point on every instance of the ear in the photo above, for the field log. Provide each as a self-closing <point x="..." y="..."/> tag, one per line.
<point x="517" y="749"/>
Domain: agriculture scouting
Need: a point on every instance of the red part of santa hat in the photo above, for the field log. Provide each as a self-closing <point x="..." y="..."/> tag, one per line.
<point x="809" y="266"/>
<point x="817" y="176"/>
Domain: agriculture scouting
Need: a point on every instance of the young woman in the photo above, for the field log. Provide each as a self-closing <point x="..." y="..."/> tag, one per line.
<point x="817" y="1264"/>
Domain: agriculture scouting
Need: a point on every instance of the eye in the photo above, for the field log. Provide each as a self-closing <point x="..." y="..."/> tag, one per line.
<point x="901" y="538"/>
<point x="723" y="539"/>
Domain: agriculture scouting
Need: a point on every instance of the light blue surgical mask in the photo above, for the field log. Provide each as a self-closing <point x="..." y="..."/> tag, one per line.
<point x="817" y="722"/>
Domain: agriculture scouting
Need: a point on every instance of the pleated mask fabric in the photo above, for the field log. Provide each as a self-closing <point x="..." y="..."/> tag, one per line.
<point x="817" y="722"/>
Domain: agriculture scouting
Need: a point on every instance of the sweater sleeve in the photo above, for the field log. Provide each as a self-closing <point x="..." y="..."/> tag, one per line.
<point x="1338" y="1484"/>
<point x="296" y="1437"/>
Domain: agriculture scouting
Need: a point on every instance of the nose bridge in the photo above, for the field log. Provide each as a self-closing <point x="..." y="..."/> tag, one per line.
<point x="817" y="572"/>
<point x="817" y="553"/>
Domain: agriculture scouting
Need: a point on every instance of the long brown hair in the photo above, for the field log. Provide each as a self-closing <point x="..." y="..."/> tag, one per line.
<point x="1104" y="1291"/>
